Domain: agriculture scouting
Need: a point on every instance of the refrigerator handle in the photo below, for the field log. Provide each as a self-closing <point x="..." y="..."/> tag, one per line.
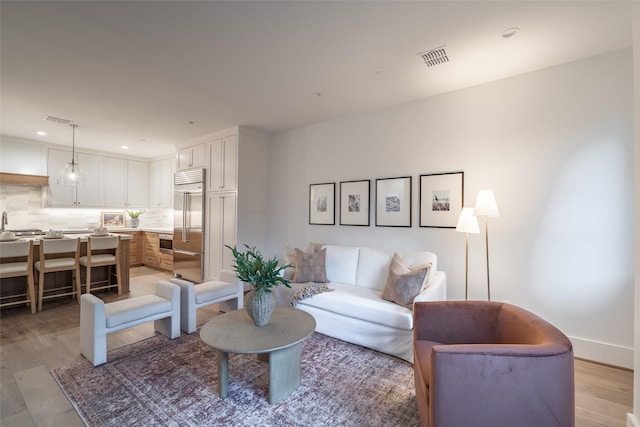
<point x="189" y="253"/>
<point x="185" y="208"/>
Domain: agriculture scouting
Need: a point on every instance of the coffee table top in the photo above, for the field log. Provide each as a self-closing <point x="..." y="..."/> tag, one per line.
<point x="235" y="332"/>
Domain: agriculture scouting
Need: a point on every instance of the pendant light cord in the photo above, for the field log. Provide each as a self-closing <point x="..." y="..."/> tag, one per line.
<point x="73" y="147"/>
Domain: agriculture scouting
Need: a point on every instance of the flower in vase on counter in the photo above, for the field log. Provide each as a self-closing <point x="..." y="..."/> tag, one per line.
<point x="135" y="217"/>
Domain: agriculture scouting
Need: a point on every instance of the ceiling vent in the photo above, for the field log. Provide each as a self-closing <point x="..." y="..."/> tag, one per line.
<point x="435" y="56"/>
<point x="57" y="120"/>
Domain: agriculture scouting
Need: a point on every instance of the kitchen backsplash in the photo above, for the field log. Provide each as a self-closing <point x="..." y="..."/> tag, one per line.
<point x="26" y="208"/>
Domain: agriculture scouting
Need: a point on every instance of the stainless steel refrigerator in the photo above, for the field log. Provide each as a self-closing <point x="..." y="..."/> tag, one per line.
<point x="188" y="224"/>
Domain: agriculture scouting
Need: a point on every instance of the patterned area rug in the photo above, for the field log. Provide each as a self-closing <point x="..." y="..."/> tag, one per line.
<point x="162" y="382"/>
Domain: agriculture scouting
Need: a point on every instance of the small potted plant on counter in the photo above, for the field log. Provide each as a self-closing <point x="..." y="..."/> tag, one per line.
<point x="135" y="217"/>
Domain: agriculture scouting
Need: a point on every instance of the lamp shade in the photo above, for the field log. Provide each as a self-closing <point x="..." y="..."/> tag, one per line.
<point x="71" y="175"/>
<point x="486" y="204"/>
<point x="467" y="223"/>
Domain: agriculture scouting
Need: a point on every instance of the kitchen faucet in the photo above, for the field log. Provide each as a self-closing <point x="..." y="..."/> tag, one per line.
<point x="4" y="220"/>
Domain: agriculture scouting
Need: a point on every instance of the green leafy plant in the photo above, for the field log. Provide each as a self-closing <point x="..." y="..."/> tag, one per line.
<point x="252" y="268"/>
<point x="134" y="214"/>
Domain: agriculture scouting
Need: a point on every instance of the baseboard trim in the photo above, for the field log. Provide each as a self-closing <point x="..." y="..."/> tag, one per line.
<point x="609" y="354"/>
<point x="632" y="421"/>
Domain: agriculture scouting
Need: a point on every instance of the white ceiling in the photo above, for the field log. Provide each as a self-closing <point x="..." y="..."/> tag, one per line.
<point x="136" y="73"/>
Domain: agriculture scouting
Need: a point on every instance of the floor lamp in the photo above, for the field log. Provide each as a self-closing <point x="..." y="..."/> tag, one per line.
<point x="486" y="206"/>
<point x="467" y="223"/>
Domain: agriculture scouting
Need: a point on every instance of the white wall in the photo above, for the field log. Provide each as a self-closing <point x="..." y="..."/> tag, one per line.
<point x="556" y="146"/>
<point x="634" y="418"/>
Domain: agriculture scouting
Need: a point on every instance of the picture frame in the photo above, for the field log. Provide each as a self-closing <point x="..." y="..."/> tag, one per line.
<point x="393" y="202"/>
<point x="112" y="219"/>
<point x="441" y="199"/>
<point x="322" y="198"/>
<point x="354" y="202"/>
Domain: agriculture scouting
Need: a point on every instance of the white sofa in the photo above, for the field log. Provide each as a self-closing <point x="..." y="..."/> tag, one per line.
<point x="355" y="312"/>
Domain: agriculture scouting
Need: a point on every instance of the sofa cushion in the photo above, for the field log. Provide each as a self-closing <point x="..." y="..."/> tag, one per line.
<point x="129" y="310"/>
<point x="362" y="303"/>
<point x="373" y="268"/>
<point x="404" y="282"/>
<point x="420" y="257"/>
<point x="342" y="264"/>
<point x="310" y="268"/>
<point x="207" y="291"/>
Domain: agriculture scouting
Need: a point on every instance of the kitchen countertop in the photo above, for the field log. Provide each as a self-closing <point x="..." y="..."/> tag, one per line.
<point x="149" y="229"/>
<point x="81" y="236"/>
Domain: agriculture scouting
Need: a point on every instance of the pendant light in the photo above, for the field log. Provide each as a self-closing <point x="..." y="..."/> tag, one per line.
<point x="72" y="173"/>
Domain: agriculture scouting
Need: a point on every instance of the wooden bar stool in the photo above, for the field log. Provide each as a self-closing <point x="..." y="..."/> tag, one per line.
<point x="58" y="255"/>
<point x="16" y="260"/>
<point x="101" y="252"/>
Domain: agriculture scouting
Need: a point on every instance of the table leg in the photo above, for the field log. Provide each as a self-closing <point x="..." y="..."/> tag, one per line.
<point x="223" y="374"/>
<point x="284" y="372"/>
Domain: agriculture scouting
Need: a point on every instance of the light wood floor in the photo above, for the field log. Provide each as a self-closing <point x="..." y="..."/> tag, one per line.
<point x="33" y="344"/>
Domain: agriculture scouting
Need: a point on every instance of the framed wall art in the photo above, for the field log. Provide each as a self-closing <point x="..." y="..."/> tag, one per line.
<point x="441" y="199"/>
<point x="354" y="202"/>
<point x="322" y="198"/>
<point x="393" y="202"/>
<point x="112" y="219"/>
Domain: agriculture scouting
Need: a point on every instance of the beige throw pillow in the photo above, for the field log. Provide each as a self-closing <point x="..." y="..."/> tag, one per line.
<point x="404" y="281"/>
<point x="310" y="268"/>
<point x="290" y="258"/>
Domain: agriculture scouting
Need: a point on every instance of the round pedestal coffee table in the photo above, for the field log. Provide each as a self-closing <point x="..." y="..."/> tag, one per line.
<point x="278" y="342"/>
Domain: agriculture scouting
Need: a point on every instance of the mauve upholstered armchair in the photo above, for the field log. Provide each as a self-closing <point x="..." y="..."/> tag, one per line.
<point x="490" y="364"/>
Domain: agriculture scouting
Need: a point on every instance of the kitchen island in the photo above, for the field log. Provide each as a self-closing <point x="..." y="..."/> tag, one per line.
<point x="13" y="286"/>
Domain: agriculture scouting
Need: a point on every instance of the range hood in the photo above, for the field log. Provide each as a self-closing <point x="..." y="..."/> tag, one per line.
<point x="16" y="178"/>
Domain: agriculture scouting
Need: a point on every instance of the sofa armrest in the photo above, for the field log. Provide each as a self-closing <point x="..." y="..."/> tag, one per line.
<point x="169" y="291"/>
<point x="435" y="289"/>
<point x="93" y="329"/>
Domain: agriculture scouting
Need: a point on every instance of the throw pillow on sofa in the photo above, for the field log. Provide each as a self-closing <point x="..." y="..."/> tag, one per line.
<point x="310" y="268"/>
<point x="290" y="258"/>
<point x="404" y="281"/>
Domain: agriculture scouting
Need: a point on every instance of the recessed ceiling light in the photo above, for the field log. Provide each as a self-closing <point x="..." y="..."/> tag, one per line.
<point x="41" y="133"/>
<point x="510" y="32"/>
<point x="124" y="147"/>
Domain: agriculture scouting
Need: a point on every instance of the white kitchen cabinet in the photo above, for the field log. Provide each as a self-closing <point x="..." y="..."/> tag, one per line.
<point x="192" y="157"/>
<point x="87" y="195"/>
<point x="126" y="183"/>
<point x="23" y="158"/>
<point x="223" y="161"/>
<point x="137" y="183"/>
<point x="161" y="183"/>
<point x="237" y="195"/>
<point x="222" y="208"/>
